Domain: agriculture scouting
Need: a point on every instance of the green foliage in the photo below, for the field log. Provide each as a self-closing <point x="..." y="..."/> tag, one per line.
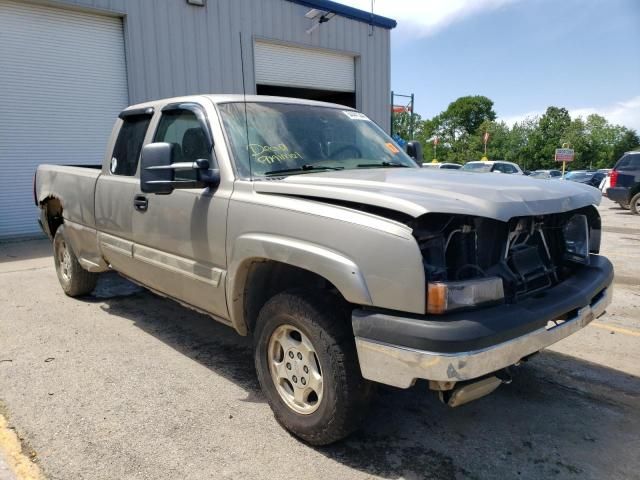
<point x="403" y="124"/>
<point x="531" y="143"/>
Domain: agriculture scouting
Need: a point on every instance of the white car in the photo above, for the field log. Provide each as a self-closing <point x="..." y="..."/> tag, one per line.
<point x="445" y="165"/>
<point x="494" y="166"/>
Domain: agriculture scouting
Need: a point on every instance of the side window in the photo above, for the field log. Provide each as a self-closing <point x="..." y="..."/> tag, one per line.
<point x="498" y="167"/>
<point x="126" y="152"/>
<point x="623" y="162"/>
<point x="634" y="162"/>
<point x="182" y="129"/>
<point x="510" y="169"/>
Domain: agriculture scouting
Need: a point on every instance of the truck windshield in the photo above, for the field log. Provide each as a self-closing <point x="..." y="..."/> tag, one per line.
<point x="279" y="139"/>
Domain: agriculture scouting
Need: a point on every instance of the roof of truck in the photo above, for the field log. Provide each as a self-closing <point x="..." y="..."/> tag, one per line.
<point x="228" y="98"/>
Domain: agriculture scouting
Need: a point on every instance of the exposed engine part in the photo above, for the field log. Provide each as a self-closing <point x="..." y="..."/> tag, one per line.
<point x="528" y="253"/>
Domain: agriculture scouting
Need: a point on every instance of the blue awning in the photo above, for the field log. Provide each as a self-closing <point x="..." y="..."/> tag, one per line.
<point x="349" y="12"/>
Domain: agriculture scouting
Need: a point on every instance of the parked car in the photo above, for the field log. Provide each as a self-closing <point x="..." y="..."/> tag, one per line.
<point x="554" y="174"/>
<point x="586" y="177"/>
<point x="539" y="174"/>
<point x="445" y="165"/>
<point x="495" y="166"/>
<point x="625" y="182"/>
<point x="346" y="262"/>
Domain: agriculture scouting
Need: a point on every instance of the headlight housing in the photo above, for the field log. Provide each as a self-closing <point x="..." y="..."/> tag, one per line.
<point x="576" y="239"/>
<point x="444" y="297"/>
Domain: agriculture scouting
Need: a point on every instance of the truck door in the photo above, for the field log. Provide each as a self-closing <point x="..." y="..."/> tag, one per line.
<point x="116" y="188"/>
<point x="180" y="238"/>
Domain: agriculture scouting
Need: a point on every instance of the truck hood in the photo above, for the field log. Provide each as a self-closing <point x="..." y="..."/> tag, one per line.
<point x="416" y="191"/>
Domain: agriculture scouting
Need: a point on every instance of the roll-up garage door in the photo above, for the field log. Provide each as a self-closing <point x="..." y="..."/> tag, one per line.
<point x="288" y="66"/>
<point x="62" y="84"/>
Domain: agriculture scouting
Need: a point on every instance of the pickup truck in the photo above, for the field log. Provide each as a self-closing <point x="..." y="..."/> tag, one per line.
<point x="624" y="182"/>
<point x="304" y="225"/>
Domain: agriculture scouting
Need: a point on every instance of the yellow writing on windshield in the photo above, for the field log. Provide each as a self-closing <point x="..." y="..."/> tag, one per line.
<point x="268" y="154"/>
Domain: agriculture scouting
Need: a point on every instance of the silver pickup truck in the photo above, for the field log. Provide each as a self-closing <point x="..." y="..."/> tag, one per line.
<point x="304" y="225"/>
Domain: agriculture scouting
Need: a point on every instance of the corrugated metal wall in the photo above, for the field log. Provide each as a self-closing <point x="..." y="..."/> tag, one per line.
<point x="175" y="49"/>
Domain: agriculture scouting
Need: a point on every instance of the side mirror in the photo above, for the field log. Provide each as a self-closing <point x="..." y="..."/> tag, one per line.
<point x="156" y="174"/>
<point x="414" y="150"/>
<point x="157" y="171"/>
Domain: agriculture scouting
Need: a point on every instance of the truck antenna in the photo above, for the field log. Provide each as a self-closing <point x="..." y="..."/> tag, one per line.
<point x="244" y="97"/>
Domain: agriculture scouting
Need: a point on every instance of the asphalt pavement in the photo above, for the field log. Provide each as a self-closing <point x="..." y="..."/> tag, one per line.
<point x="125" y="384"/>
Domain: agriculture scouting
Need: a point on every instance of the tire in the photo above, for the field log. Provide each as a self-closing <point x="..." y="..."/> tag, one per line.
<point x="74" y="280"/>
<point x="634" y="204"/>
<point x="323" y="321"/>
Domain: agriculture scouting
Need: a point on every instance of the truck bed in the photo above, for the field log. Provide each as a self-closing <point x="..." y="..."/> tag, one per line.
<point x="74" y="186"/>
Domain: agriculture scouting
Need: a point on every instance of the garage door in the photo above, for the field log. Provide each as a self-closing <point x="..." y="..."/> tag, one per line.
<point x="303" y="68"/>
<point x="62" y="84"/>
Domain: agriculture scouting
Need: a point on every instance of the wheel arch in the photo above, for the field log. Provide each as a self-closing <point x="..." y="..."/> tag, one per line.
<point x="51" y="215"/>
<point x="263" y="265"/>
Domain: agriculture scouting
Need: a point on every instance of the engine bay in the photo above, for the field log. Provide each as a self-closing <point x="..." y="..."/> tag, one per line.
<point x="529" y="254"/>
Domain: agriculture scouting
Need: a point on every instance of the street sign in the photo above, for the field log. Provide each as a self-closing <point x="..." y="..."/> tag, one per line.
<point x="564" y="154"/>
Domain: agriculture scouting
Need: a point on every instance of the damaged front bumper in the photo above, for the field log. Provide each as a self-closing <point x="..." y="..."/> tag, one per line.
<point x="397" y="350"/>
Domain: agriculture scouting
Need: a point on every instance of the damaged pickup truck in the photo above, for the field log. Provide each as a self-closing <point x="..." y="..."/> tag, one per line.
<point x="304" y="225"/>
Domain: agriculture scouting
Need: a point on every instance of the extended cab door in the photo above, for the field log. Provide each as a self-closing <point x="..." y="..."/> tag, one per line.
<point x="116" y="188"/>
<point x="180" y="238"/>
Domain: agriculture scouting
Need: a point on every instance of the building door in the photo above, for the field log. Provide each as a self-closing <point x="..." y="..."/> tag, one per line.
<point x="62" y="84"/>
<point x="312" y="74"/>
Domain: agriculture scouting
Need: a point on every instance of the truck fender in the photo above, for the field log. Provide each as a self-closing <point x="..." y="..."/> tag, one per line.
<point x="333" y="266"/>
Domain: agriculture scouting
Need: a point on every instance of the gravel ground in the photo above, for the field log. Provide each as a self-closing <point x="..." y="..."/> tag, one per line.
<point x="127" y="385"/>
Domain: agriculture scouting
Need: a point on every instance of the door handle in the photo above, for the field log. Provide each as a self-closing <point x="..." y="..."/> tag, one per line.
<point x="140" y="203"/>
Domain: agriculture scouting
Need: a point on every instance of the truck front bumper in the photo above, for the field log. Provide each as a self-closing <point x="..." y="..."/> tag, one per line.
<point x="397" y="350"/>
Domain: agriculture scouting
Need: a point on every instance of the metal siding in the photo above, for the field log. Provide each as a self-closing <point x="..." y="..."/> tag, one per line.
<point x="201" y="51"/>
<point x="173" y="48"/>
<point x="303" y="67"/>
<point x="63" y="82"/>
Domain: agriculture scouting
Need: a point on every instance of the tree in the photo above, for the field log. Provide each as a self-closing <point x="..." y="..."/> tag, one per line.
<point x="531" y="143"/>
<point x="458" y="122"/>
<point x="466" y="114"/>
<point x="549" y="135"/>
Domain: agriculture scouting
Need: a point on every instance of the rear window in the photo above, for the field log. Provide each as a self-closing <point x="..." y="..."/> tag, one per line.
<point x="126" y="152"/>
<point x="628" y="162"/>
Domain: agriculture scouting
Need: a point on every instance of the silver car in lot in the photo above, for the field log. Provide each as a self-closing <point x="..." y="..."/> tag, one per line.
<point x="493" y="166"/>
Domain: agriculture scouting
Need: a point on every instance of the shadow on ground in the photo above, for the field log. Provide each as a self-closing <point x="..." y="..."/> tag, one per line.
<point x="560" y="418"/>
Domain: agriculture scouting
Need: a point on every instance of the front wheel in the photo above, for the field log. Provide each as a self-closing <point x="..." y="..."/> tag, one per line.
<point x="308" y="368"/>
<point x="74" y="280"/>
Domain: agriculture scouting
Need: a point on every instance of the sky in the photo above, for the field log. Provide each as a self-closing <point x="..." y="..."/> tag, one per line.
<point x="525" y="55"/>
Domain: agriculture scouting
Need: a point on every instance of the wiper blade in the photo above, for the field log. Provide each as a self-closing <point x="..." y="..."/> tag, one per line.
<point x="302" y="169"/>
<point x="382" y="164"/>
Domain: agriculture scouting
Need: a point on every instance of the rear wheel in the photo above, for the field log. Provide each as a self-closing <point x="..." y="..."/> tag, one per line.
<point x="634" y="205"/>
<point x="74" y="280"/>
<point x="308" y="368"/>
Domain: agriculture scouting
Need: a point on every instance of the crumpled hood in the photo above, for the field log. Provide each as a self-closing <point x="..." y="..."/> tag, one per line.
<point x="417" y="191"/>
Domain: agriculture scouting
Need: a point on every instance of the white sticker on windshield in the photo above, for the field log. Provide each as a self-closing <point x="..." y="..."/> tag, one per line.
<point x="355" y="115"/>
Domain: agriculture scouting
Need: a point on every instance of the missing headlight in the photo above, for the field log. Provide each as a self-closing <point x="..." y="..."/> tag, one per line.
<point x="576" y="239"/>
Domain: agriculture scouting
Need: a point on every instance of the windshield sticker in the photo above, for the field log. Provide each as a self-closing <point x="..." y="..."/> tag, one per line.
<point x="355" y="115"/>
<point x="268" y="154"/>
<point x="392" y="148"/>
